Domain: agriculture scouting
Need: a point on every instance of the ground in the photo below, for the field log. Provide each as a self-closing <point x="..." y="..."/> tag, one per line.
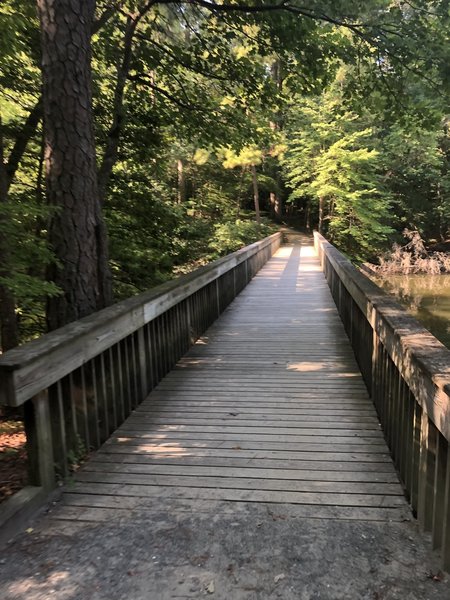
<point x="226" y="551"/>
<point x="13" y="457"/>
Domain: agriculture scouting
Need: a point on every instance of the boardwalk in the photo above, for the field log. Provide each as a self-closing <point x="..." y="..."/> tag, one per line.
<point x="268" y="406"/>
<point x="256" y="469"/>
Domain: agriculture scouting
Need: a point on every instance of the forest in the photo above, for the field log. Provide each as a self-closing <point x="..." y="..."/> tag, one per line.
<point x="140" y="140"/>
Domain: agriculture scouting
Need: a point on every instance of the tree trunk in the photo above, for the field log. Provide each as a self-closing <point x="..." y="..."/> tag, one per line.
<point x="112" y="143"/>
<point x="256" y="194"/>
<point x="308" y="216"/>
<point x="321" y="207"/>
<point x="181" y="182"/>
<point x="9" y="334"/>
<point x="77" y="232"/>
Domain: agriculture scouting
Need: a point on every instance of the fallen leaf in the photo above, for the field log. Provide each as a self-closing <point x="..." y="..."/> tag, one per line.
<point x="211" y="588"/>
<point x="236" y="448"/>
<point x="279" y="577"/>
<point x="30" y="530"/>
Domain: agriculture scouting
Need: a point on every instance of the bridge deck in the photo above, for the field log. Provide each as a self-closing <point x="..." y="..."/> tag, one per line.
<point x="256" y="470"/>
<point x="269" y="406"/>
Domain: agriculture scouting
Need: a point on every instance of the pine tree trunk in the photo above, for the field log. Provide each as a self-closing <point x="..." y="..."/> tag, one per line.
<point x="256" y="194"/>
<point x="77" y="232"/>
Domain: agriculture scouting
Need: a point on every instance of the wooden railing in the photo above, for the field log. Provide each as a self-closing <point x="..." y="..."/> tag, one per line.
<point x="407" y="372"/>
<point x="79" y="383"/>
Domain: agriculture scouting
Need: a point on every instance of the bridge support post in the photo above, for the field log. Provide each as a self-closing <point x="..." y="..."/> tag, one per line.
<point x="39" y="441"/>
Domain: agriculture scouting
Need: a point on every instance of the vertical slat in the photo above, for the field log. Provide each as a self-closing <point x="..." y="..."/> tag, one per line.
<point x="38" y="430"/>
<point x="112" y="389"/>
<point x="121" y="393"/>
<point x="98" y="399"/>
<point x="127" y="380"/>
<point x="151" y="368"/>
<point x="426" y="473"/>
<point x="417" y="421"/>
<point x="407" y="456"/>
<point x="445" y="549"/>
<point x="105" y="406"/>
<point x="142" y="360"/>
<point x="439" y="490"/>
<point x="90" y="376"/>
<point x="86" y="427"/>
<point x="402" y="429"/>
<point x="73" y="405"/>
<point x="134" y="372"/>
<point x="61" y="423"/>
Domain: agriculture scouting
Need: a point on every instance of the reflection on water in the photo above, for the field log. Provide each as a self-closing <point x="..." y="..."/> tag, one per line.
<point x="427" y="297"/>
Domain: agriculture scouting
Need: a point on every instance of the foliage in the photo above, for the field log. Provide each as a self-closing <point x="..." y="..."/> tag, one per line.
<point x="231" y="236"/>
<point x="342" y="103"/>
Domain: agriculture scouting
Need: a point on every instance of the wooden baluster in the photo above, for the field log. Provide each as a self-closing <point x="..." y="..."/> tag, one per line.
<point x="90" y="378"/>
<point x="136" y="398"/>
<point x="143" y="362"/>
<point x="417" y="423"/>
<point x="439" y="499"/>
<point x="39" y="441"/>
<point x="86" y="424"/>
<point x="104" y="395"/>
<point x="407" y="456"/>
<point x="61" y="439"/>
<point x="445" y="544"/>
<point x="120" y="383"/>
<point x="426" y="473"/>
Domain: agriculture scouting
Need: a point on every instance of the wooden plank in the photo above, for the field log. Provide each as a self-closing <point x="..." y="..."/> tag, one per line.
<point x="345" y="429"/>
<point x="248" y="459"/>
<point x="263" y="472"/>
<point x="242" y="483"/>
<point x="193" y="493"/>
<point x="248" y="450"/>
<point x="262" y="409"/>
<point x="105" y="508"/>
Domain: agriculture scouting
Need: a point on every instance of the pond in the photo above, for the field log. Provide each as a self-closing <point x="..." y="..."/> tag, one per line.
<point x="427" y="297"/>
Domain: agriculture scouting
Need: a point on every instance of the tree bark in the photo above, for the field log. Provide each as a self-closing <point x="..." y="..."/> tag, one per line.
<point x="256" y="194"/>
<point x="77" y="232"/>
<point x="9" y="333"/>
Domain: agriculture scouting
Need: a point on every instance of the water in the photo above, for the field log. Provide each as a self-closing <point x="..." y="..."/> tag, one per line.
<point x="427" y="297"/>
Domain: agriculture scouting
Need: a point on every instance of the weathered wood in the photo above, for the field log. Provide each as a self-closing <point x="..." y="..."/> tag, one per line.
<point x="421" y="359"/>
<point x="410" y="382"/>
<point x="27" y="370"/>
<point x="237" y="421"/>
<point x="39" y="441"/>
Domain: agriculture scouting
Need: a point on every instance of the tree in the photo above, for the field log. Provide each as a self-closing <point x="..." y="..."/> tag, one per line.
<point x="330" y="159"/>
<point x="77" y="232"/>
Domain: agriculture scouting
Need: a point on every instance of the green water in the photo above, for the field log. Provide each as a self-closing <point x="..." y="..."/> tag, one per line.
<point x="427" y="297"/>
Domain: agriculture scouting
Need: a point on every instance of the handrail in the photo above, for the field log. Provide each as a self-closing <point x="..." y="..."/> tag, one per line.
<point x="27" y="370"/>
<point x="407" y="372"/>
<point x="79" y="383"/>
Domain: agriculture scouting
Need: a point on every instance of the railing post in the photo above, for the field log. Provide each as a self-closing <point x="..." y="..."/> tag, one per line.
<point x="39" y="441"/>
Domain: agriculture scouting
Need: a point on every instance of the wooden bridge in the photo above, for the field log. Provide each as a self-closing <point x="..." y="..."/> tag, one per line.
<point x="193" y="402"/>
